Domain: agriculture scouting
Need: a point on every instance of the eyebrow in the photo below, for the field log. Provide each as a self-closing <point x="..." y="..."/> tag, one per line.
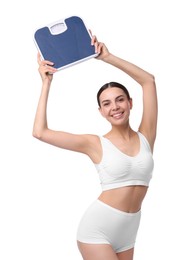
<point x="107" y="100"/>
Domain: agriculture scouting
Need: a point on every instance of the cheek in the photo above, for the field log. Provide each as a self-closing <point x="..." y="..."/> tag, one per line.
<point x="104" y="111"/>
<point x="101" y="110"/>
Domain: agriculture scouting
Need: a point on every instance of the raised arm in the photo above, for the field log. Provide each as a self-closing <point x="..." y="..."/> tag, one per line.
<point x="148" y="123"/>
<point x="78" y="143"/>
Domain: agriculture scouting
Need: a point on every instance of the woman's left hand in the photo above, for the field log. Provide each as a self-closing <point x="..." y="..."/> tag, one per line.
<point x="100" y="48"/>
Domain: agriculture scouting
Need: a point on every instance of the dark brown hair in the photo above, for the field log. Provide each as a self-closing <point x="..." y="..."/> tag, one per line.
<point x="112" y="85"/>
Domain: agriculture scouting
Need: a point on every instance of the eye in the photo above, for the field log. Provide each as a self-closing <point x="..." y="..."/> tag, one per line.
<point x="121" y="99"/>
<point x="106" y="104"/>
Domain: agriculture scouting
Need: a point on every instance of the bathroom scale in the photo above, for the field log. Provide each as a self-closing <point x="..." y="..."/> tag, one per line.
<point x="65" y="42"/>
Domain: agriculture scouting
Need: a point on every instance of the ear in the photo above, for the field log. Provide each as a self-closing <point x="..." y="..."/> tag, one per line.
<point x="131" y="103"/>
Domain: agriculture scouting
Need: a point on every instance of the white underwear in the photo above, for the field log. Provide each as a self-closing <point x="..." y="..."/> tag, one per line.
<point x="103" y="224"/>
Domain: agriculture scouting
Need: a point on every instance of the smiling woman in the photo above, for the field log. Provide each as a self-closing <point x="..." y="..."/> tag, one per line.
<point x="114" y="102"/>
<point x="122" y="157"/>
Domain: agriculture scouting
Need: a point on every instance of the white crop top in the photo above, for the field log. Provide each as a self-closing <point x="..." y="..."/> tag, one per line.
<point x="117" y="169"/>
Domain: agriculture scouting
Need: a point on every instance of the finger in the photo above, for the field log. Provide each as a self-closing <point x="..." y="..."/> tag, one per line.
<point x="94" y="40"/>
<point x="45" y="69"/>
<point x="48" y="69"/>
<point x="46" y="63"/>
<point x="99" y="47"/>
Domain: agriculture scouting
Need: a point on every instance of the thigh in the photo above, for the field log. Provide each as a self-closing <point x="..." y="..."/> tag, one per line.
<point x="126" y="255"/>
<point x="97" y="251"/>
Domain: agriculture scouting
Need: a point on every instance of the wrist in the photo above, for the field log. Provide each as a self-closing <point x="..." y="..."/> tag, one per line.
<point x="46" y="84"/>
<point x="109" y="58"/>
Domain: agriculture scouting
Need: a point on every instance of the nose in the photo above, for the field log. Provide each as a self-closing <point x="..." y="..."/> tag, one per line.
<point x="115" y="106"/>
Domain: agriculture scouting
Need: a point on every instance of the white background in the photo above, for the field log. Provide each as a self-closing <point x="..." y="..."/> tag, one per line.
<point x="45" y="190"/>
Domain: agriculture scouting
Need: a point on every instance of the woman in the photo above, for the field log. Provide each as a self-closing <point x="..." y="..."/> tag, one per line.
<point x="122" y="157"/>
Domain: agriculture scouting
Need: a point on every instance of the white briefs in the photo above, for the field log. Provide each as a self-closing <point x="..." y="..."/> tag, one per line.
<point x="103" y="224"/>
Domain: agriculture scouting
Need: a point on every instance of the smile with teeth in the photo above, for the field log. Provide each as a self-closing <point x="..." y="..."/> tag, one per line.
<point x="117" y="115"/>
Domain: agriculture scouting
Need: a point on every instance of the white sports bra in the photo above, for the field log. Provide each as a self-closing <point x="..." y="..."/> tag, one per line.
<point x="117" y="169"/>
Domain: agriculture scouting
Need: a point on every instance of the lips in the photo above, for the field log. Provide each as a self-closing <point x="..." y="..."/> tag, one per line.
<point x="117" y="115"/>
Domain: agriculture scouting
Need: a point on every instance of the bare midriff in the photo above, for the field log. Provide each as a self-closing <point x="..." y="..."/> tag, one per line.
<point x="127" y="199"/>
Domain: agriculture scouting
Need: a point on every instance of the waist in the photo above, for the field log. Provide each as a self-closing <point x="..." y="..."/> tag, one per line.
<point x="128" y="199"/>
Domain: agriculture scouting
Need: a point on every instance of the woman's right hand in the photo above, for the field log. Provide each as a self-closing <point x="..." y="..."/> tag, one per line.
<point x="46" y="70"/>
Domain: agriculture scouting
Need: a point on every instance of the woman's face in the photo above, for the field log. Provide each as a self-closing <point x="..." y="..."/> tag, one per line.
<point x="115" y="106"/>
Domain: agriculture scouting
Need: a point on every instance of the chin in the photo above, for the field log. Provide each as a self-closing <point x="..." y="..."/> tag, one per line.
<point x="119" y="122"/>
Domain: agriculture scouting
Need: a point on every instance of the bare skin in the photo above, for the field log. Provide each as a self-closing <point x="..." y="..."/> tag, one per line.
<point x="115" y="107"/>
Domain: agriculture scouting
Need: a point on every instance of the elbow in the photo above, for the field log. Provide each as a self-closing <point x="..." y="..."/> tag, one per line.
<point x="151" y="78"/>
<point x="40" y="132"/>
<point x="37" y="134"/>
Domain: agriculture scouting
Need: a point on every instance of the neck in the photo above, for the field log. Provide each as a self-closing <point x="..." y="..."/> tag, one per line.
<point x="124" y="132"/>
